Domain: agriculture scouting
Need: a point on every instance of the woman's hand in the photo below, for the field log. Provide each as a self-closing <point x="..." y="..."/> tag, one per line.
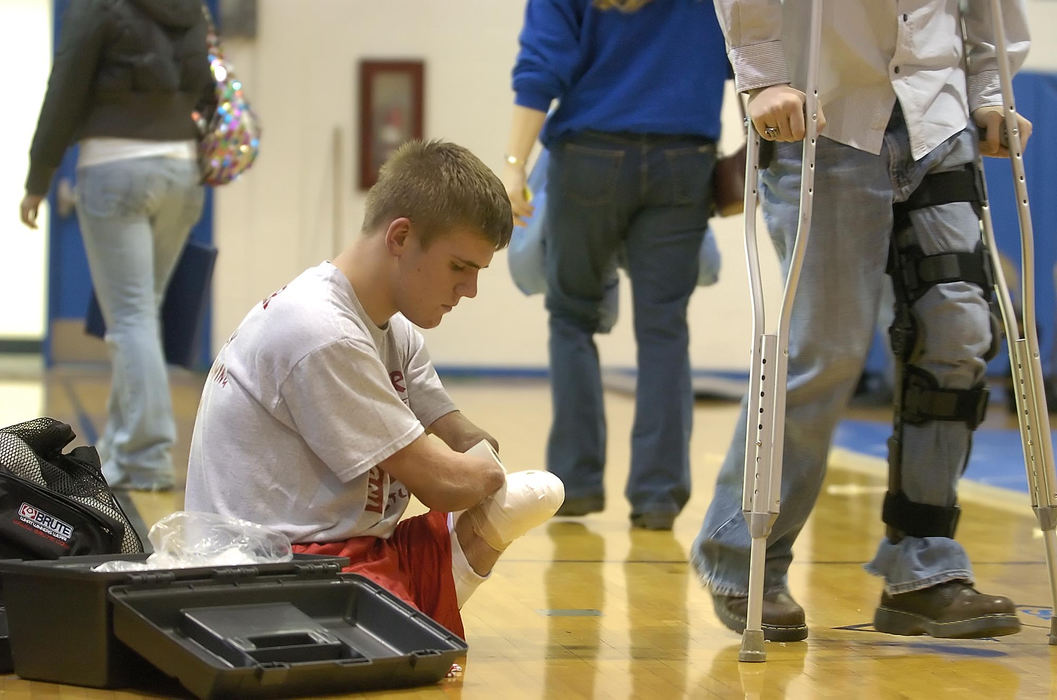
<point x="28" y="209"/>
<point x="517" y="190"/>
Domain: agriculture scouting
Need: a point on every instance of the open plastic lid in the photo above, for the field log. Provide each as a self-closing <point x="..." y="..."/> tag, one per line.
<point x="282" y="636"/>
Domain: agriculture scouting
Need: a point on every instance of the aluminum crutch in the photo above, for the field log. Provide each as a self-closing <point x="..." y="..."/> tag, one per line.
<point x="765" y="427"/>
<point x="1023" y="342"/>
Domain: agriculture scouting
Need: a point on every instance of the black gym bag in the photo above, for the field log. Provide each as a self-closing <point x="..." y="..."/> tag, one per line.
<point x="54" y="504"/>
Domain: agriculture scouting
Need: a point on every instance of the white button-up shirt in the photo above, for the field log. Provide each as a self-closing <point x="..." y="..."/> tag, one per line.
<point x="873" y="52"/>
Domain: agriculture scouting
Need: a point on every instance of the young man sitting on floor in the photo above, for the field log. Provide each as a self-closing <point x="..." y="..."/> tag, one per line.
<point x="323" y="413"/>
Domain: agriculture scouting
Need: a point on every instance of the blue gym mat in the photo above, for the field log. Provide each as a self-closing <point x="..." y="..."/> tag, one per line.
<point x="997" y="458"/>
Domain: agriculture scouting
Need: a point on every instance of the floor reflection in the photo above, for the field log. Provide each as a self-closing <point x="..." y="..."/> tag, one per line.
<point x="655" y="571"/>
<point x="775" y="678"/>
<point x="575" y="590"/>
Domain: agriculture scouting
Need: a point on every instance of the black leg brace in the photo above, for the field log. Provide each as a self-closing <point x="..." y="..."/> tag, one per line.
<point x="918" y="396"/>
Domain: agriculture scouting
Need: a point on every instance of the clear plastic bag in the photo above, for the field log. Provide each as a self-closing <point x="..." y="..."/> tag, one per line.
<point x="189" y="539"/>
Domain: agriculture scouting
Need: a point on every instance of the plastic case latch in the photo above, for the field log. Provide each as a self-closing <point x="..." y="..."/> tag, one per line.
<point x="151" y="578"/>
<point x="272" y="674"/>
<point x="230" y="574"/>
<point x="323" y="569"/>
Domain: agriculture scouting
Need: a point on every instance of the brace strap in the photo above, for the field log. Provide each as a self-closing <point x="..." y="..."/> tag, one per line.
<point x="961" y="185"/>
<point x="919" y="519"/>
<point x="924" y="400"/>
<point x="916" y="272"/>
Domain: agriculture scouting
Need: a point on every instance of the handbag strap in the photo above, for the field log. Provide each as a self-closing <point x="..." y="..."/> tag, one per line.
<point x="212" y="36"/>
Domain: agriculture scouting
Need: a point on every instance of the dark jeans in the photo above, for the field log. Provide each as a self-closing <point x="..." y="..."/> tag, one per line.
<point x="650" y="195"/>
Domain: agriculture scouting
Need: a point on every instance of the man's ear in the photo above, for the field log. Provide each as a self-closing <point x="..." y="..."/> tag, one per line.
<point x="397" y="236"/>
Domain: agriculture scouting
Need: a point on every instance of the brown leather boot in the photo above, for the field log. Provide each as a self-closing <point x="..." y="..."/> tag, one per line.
<point x="782" y="618"/>
<point x="953" y="609"/>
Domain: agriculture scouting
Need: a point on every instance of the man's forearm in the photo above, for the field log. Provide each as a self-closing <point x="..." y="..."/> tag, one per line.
<point x="459" y="433"/>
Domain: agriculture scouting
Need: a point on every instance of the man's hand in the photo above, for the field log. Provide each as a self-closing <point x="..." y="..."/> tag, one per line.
<point x="29" y="207"/>
<point x="518" y="192"/>
<point x="777" y="112"/>
<point x="991" y="122"/>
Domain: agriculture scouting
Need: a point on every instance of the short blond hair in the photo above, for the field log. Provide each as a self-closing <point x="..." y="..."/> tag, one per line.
<point x="439" y="186"/>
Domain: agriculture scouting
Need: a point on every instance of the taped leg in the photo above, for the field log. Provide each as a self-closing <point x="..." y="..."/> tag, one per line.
<point x="527" y="499"/>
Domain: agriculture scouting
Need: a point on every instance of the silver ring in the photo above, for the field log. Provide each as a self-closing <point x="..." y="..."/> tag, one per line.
<point x="770" y="132"/>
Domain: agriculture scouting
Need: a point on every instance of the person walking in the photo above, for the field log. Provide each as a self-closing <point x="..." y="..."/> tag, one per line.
<point x="126" y="78"/>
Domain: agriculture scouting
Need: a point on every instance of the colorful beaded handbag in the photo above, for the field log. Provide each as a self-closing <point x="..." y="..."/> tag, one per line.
<point x="230" y="136"/>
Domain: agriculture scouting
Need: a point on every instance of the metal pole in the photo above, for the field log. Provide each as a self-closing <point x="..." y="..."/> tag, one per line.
<point x="765" y="431"/>
<point x="1022" y="339"/>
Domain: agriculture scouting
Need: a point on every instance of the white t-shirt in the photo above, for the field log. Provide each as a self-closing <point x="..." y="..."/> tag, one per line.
<point x="302" y="403"/>
<point x="98" y="150"/>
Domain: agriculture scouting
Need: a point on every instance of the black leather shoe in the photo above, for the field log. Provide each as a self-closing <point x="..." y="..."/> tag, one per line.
<point x="782" y="619"/>
<point x="953" y="609"/>
<point x="583" y="505"/>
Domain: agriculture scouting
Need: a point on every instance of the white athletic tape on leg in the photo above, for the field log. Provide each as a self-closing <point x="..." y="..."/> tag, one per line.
<point x="485" y="449"/>
<point x="527" y="499"/>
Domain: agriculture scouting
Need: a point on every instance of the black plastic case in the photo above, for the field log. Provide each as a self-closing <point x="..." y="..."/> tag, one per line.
<point x="269" y="630"/>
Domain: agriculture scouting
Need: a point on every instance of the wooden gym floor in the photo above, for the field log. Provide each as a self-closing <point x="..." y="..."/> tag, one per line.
<point x="588" y="608"/>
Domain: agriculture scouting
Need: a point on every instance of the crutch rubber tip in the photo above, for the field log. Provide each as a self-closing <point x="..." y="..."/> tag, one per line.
<point x="752" y="647"/>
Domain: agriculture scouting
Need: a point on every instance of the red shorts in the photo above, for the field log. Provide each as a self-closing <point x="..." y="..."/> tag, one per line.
<point x="414" y="564"/>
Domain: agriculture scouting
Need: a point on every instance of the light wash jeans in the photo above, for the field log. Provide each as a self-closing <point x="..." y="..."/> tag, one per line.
<point x="832" y="324"/>
<point x="135" y="216"/>
<point x="650" y="195"/>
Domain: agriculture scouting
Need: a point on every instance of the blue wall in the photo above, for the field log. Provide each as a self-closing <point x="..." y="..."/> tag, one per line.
<point x="1036" y="99"/>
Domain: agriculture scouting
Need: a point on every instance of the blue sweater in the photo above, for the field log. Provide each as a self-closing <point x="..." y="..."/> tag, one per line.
<point x="659" y="70"/>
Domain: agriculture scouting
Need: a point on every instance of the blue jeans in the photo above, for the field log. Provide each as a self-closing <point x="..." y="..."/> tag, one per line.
<point x="832" y="326"/>
<point x="135" y="216"/>
<point x="649" y="194"/>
